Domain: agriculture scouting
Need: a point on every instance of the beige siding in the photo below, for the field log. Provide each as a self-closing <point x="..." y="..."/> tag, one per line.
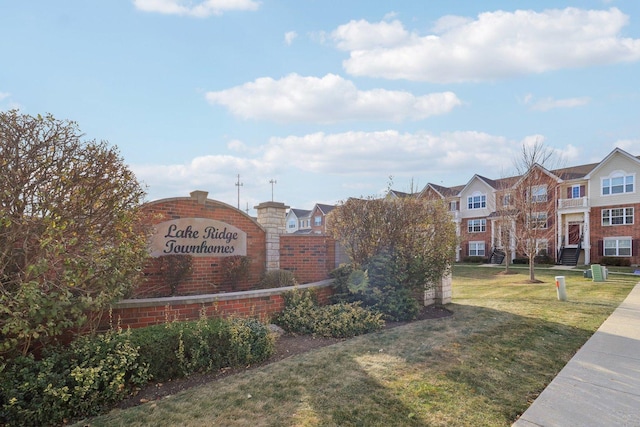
<point x="479" y="186"/>
<point x="617" y="163"/>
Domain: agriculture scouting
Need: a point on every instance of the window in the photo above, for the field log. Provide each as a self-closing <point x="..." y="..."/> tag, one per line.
<point x="542" y="245"/>
<point x="477" y="201"/>
<point x="539" y="193"/>
<point x="506" y="200"/>
<point x="538" y="220"/>
<point x="292" y="223"/>
<point x="617" y="183"/>
<point x="617" y="246"/>
<point x="477" y="225"/>
<point x="453" y="206"/>
<point x="618" y="216"/>
<point x="317" y="220"/>
<point x="476" y="249"/>
<point x="575" y="191"/>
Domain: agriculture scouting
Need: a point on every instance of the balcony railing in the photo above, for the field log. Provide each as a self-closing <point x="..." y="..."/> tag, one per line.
<point x="580" y="202"/>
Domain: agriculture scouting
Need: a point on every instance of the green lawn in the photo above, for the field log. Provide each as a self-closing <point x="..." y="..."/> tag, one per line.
<point x="480" y="367"/>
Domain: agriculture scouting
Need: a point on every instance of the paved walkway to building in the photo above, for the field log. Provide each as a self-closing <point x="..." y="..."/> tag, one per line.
<point x="600" y="386"/>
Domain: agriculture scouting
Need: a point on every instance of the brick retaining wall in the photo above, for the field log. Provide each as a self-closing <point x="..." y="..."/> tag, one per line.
<point x="262" y="304"/>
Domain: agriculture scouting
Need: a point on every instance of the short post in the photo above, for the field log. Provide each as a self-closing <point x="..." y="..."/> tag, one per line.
<point x="561" y="288"/>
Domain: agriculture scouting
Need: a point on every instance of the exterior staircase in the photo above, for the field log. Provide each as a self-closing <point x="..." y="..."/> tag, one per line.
<point x="497" y="256"/>
<point x="569" y="256"/>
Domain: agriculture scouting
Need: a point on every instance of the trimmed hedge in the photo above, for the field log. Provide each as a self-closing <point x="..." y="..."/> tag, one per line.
<point x="303" y="315"/>
<point x="613" y="261"/>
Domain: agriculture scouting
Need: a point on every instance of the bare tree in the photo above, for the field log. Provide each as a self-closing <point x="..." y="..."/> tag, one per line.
<point x="532" y="202"/>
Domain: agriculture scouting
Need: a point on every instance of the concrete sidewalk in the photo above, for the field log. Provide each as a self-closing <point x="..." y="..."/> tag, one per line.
<point x="600" y="386"/>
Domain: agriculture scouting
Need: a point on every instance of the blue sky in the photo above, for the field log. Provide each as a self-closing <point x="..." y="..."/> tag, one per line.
<point x="327" y="98"/>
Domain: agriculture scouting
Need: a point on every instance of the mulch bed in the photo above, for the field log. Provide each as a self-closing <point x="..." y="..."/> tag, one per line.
<point x="287" y="345"/>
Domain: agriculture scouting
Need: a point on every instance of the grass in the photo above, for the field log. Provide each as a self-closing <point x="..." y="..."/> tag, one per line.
<point x="483" y="366"/>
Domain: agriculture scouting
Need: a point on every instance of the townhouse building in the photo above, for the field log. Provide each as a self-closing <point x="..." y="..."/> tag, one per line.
<point x="298" y="221"/>
<point x="582" y="213"/>
<point x="314" y="221"/>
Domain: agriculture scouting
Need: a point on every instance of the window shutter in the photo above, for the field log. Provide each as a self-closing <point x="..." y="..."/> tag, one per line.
<point x="467" y="247"/>
<point x="600" y="247"/>
<point x="582" y="191"/>
<point x="634" y="247"/>
<point x="569" y="192"/>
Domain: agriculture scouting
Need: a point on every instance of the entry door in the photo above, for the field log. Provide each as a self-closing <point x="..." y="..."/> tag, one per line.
<point x="574" y="234"/>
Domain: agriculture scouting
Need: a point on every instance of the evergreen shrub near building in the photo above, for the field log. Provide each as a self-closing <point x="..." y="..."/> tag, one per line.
<point x="613" y="261"/>
<point x="475" y="260"/>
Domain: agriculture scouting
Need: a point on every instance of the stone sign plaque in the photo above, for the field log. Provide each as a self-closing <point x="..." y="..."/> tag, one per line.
<point x="199" y="237"/>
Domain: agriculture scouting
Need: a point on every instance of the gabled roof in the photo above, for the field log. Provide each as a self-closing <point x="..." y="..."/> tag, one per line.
<point x="538" y="167"/>
<point x="325" y="209"/>
<point x="443" y="191"/>
<point x="300" y="213"/>
<point x="560" y="174"/>
<point x="399" y="194"/>
<point x="606" y="159"/>
<point x="489" y="182"/>
<point x="574" y="172"/>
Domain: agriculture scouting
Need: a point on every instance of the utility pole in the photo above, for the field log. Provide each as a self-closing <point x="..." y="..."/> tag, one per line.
<point x="238" y="184"/>
<point x="273" y="181"/>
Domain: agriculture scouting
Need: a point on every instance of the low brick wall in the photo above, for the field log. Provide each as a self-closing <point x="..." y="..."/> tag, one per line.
<point x="262" y="304"/>
<point x="310" y="257"/>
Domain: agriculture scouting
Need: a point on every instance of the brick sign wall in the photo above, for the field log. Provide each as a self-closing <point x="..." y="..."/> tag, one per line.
<point x="214" y="235"/>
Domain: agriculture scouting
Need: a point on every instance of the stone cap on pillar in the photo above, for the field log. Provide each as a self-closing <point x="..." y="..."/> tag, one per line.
<point x="199" y="195"/>
<point x="275" y="205"/>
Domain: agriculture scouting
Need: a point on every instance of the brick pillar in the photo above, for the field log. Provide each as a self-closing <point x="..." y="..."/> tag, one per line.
<point x="444" y="290"/>
<point x="272" y="217"/>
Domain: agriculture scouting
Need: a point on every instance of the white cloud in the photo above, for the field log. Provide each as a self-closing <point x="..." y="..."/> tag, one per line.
<point x="494" y="45"/>
<point x="200" y="9"/>
<point x="327" y="99"/>
<point x="363" y="35"/>
<point x="631" y="146"/>
<point x="547" y="104"/>
<point x="289" y="37"/>
<point x="6" y="103"/>
<point x="357" y="160"/>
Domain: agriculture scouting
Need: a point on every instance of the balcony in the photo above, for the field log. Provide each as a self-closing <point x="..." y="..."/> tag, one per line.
<point x="580" y="202"/>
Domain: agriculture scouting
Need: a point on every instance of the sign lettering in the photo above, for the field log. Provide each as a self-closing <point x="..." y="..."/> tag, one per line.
<point x="197" y="237"/>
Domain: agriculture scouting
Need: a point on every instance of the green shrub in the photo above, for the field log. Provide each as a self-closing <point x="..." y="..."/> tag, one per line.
<point x="81" y="380"/>
<point x="300" y="310"/>
<point x="613" y="261"/>
<point x="250" y="342"/>
<point x="93" y="373"/>
<point x="384" y="287"/>
<point x="179" y="349"/>
<point x="340" y="278"/>
<point x="303" y="315"/>
<point x="398" y="305"/>
<point x="277" y="279"/>
<point x="344" y="320"/>
<point x="475" y="260"/>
